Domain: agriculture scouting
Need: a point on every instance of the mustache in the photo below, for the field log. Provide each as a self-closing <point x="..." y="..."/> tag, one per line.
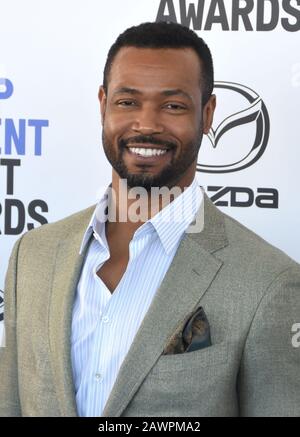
<point x="146" y="139"/>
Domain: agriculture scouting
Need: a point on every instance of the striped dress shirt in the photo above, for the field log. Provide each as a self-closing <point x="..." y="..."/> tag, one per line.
<point x="103" y="324"/>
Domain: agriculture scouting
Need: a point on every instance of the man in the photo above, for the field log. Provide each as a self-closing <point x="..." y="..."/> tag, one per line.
<point x="156" y="316"/>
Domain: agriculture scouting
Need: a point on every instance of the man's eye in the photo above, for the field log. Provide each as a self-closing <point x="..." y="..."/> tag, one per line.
<point x="126" y="103"/>
<point x="175" y="107"/>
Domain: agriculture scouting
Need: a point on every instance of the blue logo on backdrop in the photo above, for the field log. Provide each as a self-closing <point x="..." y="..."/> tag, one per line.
<point x="13" y="212"/>
<point x="15" y="131"/>
<point x="6" y="88"/>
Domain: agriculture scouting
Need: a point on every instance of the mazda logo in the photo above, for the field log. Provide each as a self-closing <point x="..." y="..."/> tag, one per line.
<point x="253" y="122"/>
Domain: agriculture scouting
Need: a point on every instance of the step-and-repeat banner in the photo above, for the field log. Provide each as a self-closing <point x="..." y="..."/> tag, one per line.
<point x="52" y="55"/>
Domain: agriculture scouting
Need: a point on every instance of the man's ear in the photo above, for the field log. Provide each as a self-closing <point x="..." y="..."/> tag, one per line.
<point x="208" y="113"/>
<point x="102" y="99"/>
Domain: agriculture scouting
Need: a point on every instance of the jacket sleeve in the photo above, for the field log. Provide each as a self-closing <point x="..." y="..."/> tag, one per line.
<point x="9" y="397"/>
<point x="269" y="376"/>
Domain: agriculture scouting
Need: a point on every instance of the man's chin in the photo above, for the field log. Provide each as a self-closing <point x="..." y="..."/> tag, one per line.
<point x="142" y="181"/>
<point x="145" y="179"/>
<point x="148" y="181"/>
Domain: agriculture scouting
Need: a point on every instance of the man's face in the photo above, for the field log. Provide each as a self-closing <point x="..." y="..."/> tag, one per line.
<point x="152" y="116"/>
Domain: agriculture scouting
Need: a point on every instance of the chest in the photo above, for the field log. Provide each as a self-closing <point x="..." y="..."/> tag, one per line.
<point x="112" y="271"/>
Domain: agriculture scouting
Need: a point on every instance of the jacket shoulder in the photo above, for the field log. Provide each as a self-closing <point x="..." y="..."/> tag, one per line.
<point x="73" y="223"/>
<point x="250" y="246"/>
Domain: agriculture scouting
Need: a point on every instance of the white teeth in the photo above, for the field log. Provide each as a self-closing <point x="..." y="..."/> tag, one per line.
<point x="147" y="152"/>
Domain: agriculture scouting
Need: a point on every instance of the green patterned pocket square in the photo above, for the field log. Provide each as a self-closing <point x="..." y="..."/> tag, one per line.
<point x="192" y="333"/>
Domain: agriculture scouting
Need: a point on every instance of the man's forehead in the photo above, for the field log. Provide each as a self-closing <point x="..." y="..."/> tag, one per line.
<point x="171" y="65"/>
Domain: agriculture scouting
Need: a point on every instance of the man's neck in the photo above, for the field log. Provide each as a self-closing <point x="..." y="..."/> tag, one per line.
<point x="133" y="207"/>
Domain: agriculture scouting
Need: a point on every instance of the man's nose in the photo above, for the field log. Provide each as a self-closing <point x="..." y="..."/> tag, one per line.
<point x="147" y="122"/>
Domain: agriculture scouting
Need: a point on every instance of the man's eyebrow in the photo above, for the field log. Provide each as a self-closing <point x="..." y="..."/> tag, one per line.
<point x="177" y="92"/>
<point x="171" y="92"/>
<point x="127" y="90"/>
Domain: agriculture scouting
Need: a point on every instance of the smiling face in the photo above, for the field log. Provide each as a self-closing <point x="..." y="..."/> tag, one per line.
<point x="152" y="116"/>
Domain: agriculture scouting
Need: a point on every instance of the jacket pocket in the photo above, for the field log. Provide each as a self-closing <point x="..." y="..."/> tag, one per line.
<point x="209" y="356"/>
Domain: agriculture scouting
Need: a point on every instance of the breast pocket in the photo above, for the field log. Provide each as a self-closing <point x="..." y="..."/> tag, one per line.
<point x="187" y="384"/>
<point x="209" y="356"/>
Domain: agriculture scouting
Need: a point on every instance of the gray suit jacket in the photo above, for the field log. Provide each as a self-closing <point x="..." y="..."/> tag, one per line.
<point x="249" y="290"/>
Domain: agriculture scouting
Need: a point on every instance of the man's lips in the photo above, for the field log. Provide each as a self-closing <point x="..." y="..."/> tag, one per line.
<point x="147" y="146"/>
<point x="133" y="154"/>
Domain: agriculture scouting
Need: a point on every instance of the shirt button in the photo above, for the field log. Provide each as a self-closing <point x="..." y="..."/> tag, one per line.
<point x="105" y="319"/>
<point x="98" y="377"/>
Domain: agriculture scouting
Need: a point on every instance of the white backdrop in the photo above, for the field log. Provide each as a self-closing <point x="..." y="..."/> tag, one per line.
<point x="53" y="53"/>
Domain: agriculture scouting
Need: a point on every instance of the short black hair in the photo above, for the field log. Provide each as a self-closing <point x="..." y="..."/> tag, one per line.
<point x="160" y="35"/>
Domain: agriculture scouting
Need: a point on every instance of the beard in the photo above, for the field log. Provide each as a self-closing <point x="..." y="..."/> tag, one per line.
<point x="167" y="177"/>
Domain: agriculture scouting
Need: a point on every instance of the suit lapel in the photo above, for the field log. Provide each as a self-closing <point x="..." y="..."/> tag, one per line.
<point x="190" y="274"/>
<point x="68" y="265"/>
